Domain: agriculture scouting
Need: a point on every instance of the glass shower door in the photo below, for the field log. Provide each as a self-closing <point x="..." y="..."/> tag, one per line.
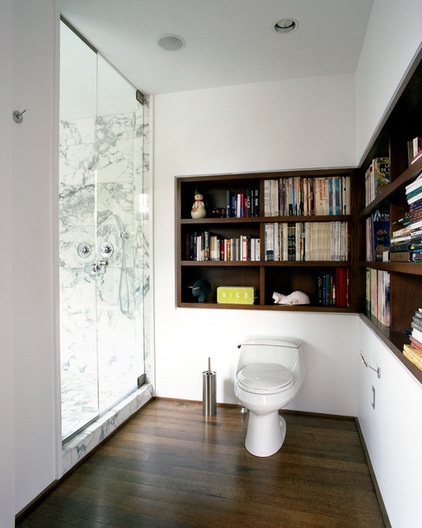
<point x="118" y="185"/>
<point x="101" y="235"/>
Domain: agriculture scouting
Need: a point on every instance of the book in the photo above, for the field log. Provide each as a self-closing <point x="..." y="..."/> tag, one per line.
<point x="400" y="256"/>
<point x="342" y="287"/>
<point x="415" y="343"/>
<point x="417" y="334"/>
<point x="413" y="355"/>
<point x="377" y="177"/>
<point x="380" y="234"/>
<point x="416" y="324"/>
<point x="406" y="247"/>
<point x="414" y="149"/>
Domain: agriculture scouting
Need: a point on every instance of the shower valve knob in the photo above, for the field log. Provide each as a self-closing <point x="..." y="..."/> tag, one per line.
<point x="106" y="249"/>
<point x="84" y="249"/>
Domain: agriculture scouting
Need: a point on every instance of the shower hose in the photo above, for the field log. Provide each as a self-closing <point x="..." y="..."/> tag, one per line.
<point x="124" y="295"/>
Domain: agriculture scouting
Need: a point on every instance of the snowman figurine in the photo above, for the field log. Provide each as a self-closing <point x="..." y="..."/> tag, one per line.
<point x="198" y="207"/>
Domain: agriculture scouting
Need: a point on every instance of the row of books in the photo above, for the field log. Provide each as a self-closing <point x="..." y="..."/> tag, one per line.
<point x="406" y="239"/>
<point x="333" y="288"/>
<point x="306" y="241"/>
<point x="378" y="295"/>
<point x="377" y="236"/>
<point x="377" y="177"/>
<point x="242" y="205"/>
<point x="209" y="246"/>
<point x="304" y="196"/>
<point x="413" y="351"/>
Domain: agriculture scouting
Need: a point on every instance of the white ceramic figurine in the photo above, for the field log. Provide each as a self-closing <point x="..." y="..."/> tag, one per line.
<point x="296" y="297"/>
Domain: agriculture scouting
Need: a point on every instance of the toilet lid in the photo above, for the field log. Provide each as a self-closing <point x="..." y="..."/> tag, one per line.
<point x="264" y="378"/>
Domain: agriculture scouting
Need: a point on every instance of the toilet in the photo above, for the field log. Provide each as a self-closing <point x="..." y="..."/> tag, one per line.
<point x="269" y="374"/>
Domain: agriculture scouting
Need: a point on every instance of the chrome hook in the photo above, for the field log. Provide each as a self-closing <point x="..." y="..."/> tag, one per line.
<point x="17" y="116"/>
<point x="377" y="370"/>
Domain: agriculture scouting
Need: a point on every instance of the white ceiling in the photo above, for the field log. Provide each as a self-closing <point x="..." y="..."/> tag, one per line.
<point x="228" y="42"/>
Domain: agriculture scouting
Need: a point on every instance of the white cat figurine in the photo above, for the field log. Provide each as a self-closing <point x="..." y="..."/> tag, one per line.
<point x="296" y="297"/>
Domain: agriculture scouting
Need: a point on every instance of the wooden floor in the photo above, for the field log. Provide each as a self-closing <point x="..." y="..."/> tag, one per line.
<point x="171" y="467"/>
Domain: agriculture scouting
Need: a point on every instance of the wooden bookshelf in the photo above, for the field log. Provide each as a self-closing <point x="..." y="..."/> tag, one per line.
<point x="265" y="276"/>
<point x="404" y="122"/>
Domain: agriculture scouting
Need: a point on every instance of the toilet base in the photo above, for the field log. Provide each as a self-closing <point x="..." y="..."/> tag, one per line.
<point x="265" y="434"/>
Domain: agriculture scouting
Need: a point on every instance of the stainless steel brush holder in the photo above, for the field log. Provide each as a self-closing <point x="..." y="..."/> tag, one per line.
<point x="209" y="386"/>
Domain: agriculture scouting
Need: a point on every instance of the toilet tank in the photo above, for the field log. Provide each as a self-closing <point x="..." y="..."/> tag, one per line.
<point x="284" y="350"/>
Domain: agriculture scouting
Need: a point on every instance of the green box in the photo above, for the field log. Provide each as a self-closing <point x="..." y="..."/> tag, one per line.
<point x="235" y="295"/>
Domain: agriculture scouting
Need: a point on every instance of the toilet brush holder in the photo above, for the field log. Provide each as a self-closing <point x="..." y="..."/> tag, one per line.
<point x="209" y="385"/>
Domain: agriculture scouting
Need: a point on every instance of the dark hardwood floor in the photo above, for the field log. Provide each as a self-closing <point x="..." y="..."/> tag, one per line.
<point x="171" y="467"/>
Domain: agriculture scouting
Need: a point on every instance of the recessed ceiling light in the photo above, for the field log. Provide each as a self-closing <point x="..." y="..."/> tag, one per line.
<point x="171" y="42"/>
<point x="285" y="25"/>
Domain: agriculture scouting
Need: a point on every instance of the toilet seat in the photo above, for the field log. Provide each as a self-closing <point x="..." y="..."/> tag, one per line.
<point x="264" y="378"/>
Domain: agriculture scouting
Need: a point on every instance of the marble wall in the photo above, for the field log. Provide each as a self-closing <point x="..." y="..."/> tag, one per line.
<point x="104" y="261"/>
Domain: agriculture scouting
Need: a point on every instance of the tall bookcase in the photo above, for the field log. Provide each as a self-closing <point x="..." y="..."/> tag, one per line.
<point x="238" y="209"/>
<point x="405" y="278"/>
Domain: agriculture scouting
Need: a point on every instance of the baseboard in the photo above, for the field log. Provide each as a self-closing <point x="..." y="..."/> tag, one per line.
<point x="373" y="477"/>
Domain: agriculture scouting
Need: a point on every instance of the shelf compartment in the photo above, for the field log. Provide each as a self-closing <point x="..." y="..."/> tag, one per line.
<point x="288" y="279"/>
<point x="395" y="186"/>
<point x="228" y="274"/>
<point x="214" y="191"/>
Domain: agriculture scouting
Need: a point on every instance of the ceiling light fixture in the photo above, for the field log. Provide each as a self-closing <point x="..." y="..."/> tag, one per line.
<point x="171" y="42"/>
<point x="285" y="25"/>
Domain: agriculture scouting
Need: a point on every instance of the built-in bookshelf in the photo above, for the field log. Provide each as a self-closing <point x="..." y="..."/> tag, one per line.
<point x="273" y="232"/>
<point x="390" y="270"/>
<point x="331" y="234"/>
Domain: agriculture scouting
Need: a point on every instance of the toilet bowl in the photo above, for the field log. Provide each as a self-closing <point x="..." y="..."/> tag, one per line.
<point x="269" y="374"/>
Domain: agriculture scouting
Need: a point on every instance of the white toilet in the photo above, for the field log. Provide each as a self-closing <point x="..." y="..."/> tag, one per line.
<point x="268" y="376"/>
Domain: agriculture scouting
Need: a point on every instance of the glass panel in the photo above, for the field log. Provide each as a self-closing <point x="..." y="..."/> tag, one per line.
<point x="78" y="335"/>
<point x="103" y="237"/>
<point x="120" y="343"/>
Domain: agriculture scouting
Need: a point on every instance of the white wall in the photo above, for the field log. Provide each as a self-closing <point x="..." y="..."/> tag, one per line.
<point x="258" y="127"/>
<point x="269" y="126"/>
<point x="392" y="41"/>
<point x="35" y="154"/>
<point x="7" y="481"/>
<point x="393" y="430"/>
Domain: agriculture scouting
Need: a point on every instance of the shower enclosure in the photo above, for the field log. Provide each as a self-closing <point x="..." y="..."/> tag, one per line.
<point x="103" y="211"/>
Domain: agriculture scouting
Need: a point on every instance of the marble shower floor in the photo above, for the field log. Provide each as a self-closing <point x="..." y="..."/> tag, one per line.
<point x="80" y="401"/>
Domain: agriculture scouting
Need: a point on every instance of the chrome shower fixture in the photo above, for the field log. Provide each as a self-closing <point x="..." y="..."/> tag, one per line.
<point x="122" y="231"/>
<point x="106" y="250"/>
<point x="84" y="249"/>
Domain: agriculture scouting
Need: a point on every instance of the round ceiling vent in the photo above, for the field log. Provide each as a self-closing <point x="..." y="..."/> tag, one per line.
<point x="285" y="25"/>
<point x="171" y="42"/>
